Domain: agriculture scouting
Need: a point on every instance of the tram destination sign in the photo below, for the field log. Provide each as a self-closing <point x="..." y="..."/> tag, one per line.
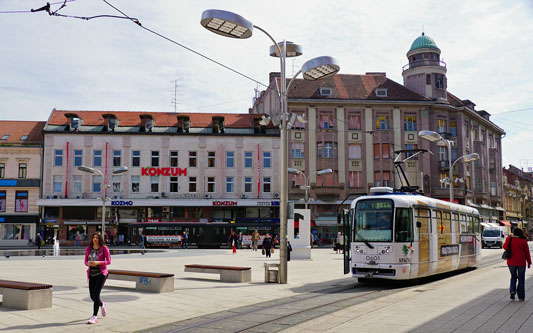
<point x="448" y="250"/>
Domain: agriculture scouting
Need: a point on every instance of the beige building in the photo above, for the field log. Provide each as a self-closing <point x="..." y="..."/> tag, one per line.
<point x="20" y="174"/>
<point x="518" y="190"/>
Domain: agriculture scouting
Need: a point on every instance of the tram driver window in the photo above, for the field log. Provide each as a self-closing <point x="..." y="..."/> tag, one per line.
<point x="404" y="225"/>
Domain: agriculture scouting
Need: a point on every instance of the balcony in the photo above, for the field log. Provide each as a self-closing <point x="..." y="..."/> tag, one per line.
<point x="424" y="62"/>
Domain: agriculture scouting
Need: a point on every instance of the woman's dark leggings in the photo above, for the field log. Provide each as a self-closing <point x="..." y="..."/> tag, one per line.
<point x="96" y="283"/>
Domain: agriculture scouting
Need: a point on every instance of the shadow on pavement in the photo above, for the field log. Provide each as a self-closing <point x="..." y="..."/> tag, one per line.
<point x="43" y="325"/>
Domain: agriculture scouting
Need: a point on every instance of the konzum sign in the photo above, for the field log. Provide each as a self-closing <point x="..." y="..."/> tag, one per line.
<point x="152" y="171"/>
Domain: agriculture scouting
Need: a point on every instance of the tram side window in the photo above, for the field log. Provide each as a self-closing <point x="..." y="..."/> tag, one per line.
<point x="464" y="225"/>
<point x="422" y="216"/>
<point x="404" y="225"/>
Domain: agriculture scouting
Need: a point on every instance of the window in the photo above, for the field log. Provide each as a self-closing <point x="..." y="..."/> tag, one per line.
<point x="23" y="170"/>
<point x="116" y="183"/>
<point x="21" y="201"/>
<point x="386" y="178"/>
<point x="173" y="158"/>
<point x="454" y="154"/>
<point x="78" y="157"/>
<point x="441" y="126"/>
<point x="192" y="159"/>
<point x="404" y="225"/>
<point x="326" y="180"/>
<point x="409" y="123"/>
<point x="385" y="150"/>
<point x="248" y="162"/>
<point x="443" y="176"/>
<point x="439" y="81"/>
<point x="325" y="91"/>
<point x="297" y="123"/>
<point x="381" y="92"/>
<point x="443" y="154"/>
<point x="354" y="151"/>
<point x="57" y="184"/>
<point x="354" y="122"/>
<point x="297" y="150"/>
<point x="266" y="159"/>
<point x="229" y="184"/>
<point x="192" y="184"/>
<point x="428" y="78"/>
<point x="382" y="122"/>
<point x="248" y="184"/>
<point x="76" y="183"/>
<point x="174" y="184"/>
<point x="377" y="178"/>
<point x="211" y="184"/>
<point x="356" y="178"/>
<point x="376" y="150"/>
<point x="135" y="184"/>
<point x="330" y="150"/>
<point x="326" y="121"/>
<point x="5" y="137"/>
<point x="230" y="159"/>
<point x="2" y="201"/>
<point x="211" y="159"/>
<point x="97" y="183"/>
<point x="58" y="157"/>
<point x="136" y="158"/>
<point x="266" y="184"/>
<point x="453" y="128"/>
<point x="154" y="184"/>
<point x="479" y="185"/>
<point x="97" y="158"/>
<point x="297" y="180"/>
<point x="319" y="150"/>
<point x="155" y="158"/>
<point x="493" y="189"/>
<point x="117" y="158"/>
<point x="2" y="170"/>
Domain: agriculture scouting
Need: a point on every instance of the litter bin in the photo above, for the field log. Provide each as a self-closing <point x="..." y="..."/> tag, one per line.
<point x="271" y="273"/>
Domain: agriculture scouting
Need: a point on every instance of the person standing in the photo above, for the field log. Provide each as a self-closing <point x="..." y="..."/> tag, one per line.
<point x="517" y="242"/>
<point x="38" y="240"/>
<point x="97" y="258"/>
<point x="232" y="241"/>
<point x="255" y="240"/>
<point x="267" y="245"/>
<point x="339" y="241"/>
<point x="239" y="243"/>
<point x="185" y="240"/>
<point x="77" y="240"/>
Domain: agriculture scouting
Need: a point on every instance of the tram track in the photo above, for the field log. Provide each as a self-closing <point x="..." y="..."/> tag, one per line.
<point x="280" y="314"/>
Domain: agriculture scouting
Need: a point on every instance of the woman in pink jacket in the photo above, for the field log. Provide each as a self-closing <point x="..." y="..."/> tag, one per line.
<point x="97" y="258"/>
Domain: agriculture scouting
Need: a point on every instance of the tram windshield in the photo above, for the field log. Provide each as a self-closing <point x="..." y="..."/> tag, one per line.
<point x="373" y="221"/>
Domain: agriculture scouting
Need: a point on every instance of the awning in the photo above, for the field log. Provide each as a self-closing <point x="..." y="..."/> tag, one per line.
<point x="472" y="204"/>
<point x="486" y="206"/>
<point x="504" y="222"/>
<point x="485" y="225"/>
<point x="500" y="209"/>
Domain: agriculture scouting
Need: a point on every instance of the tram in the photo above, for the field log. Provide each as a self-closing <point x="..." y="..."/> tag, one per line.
<point x="406" y="235"/>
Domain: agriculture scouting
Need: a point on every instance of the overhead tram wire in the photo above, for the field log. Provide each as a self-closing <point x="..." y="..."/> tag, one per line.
<point x="33" y="11"/>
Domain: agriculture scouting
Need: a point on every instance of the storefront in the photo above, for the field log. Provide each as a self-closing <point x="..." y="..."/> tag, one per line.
<point x="17" y="230"/>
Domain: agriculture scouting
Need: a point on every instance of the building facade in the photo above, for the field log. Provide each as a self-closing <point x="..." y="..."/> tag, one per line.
<point x="20" y="174"/>
<point x="518" y="188"/>
<point x="357" y="122"/>
<point x="205" y="174"/>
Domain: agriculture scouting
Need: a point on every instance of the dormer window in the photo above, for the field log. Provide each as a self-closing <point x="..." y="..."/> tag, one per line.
<point x="325" y="91"/>
<point x="183" y="124"/>
<point x="258" y="128"/>
<point x="381" y="92"/>
<point x="218" y="125"/>
<point x="147" y="123"/>
<point x="74" y="121"/>
<point x="111" y="122"/>
<point x="24" y="138"/>
<point x="5" y="137"/>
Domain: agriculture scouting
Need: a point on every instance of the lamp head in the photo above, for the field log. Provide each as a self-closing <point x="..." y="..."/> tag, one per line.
<point x="226" y="23"/>
<point x="265" y="120"/>
<point x="320" y="68"/>
<point x="120" y="169"/>
<point x="324" y="172"/>
<point x="430" y="135"/>
<point x="293" y="50"/>
<point x="471" y="157"/>
<point x="86" y="169"/>
<point x="294" y="171"/>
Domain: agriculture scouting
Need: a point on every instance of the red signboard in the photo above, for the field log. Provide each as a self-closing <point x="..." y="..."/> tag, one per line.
<point x="153" y="171"/>
<point x="224" y="203"/>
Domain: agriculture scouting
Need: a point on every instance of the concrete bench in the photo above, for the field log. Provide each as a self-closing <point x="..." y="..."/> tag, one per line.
<point x="227" y="273"/>
<point x="145" y="281"/>
<point x="25" y="295"/>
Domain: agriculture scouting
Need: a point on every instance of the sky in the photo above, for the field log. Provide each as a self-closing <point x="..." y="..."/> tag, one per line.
<point x="112" y="64"/>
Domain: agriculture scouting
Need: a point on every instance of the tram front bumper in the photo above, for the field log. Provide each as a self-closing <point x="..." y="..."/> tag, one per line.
<point x="382" y="271"/>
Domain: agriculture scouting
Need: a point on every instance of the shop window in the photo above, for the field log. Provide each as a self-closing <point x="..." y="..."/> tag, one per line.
<point x="21" y="201"/>
<point x="76" y="230"/>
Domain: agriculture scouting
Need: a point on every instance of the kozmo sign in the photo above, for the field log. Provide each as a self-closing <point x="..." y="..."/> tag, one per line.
<point x="152" y="171"/>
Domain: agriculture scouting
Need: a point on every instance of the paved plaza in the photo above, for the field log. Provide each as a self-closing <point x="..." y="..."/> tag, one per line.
<point x="462" y="303"/>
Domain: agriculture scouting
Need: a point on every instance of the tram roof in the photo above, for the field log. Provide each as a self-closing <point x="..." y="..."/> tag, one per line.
<point x="407" y="199"/>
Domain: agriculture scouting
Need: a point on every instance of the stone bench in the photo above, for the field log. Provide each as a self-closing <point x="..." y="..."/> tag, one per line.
<point x="227" y="273"/>
<point x="25" y="295"/>
<point x="145" y="281"/>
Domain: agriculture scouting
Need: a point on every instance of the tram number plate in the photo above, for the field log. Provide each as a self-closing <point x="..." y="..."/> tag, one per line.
<point x="372" y="258"/>
<point x="448" y="250"/>
<point x="405" y="260"/>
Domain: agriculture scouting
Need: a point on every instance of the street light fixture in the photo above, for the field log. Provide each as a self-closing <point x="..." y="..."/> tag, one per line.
<point x="436" y="137"/>
<point x="306" y="186"/>
<point x="232" y="25"/>
<point x="103" y="187"/>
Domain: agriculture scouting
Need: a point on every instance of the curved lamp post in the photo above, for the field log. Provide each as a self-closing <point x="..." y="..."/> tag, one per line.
<point x="318" y="173"/>
<point x="103" y="187"/>
<point x="232" y="25"/>
<point x="436" y="137"/>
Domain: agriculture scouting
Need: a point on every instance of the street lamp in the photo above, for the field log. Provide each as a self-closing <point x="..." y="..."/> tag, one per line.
<point x="306" y="186"/>
<point x="232" y="25"/>
<point x="436" y="137"/>
<point x="103" y="187"/>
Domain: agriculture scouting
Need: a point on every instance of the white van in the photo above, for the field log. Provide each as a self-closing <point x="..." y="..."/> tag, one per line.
<point x="493" y="236"/>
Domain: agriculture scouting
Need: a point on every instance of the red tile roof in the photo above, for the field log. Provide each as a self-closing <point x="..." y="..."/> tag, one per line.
<point x="163" y="119"/>
<point x="16" y="129"/>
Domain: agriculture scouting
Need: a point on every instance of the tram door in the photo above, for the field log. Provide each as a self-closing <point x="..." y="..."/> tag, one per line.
<point x="423" y="223"/>
<point x="347" y="233"/>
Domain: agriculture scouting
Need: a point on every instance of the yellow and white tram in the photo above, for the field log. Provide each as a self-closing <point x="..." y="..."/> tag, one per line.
<point x="405" y="236"/>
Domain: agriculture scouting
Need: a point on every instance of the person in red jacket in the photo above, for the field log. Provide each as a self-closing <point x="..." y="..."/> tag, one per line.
<point x="517" y="262"/>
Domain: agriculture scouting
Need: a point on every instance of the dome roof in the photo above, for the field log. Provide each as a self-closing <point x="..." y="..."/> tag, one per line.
<point x="423" y="42"/>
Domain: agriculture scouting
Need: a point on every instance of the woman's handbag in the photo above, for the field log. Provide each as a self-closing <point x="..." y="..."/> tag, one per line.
<point x="272" y="250"/>
<point x="507" y="253"/>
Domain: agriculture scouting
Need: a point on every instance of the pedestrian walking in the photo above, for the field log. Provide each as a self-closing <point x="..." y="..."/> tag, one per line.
<point x="255" y="240"/>
<point x="339" y="243"/>
<point x="267" y="245"/>
<point x="517" y="242"/>
<point x="97" y="258"/>
<point x="77" y="240"/>
<point x="239" y="243"/>
<point x="141" y="244"/>
<point x="289" y="250"/>
<point x="232" y="241"/>
<point x="185" y="240"/>
<point x="38" y="240"/>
